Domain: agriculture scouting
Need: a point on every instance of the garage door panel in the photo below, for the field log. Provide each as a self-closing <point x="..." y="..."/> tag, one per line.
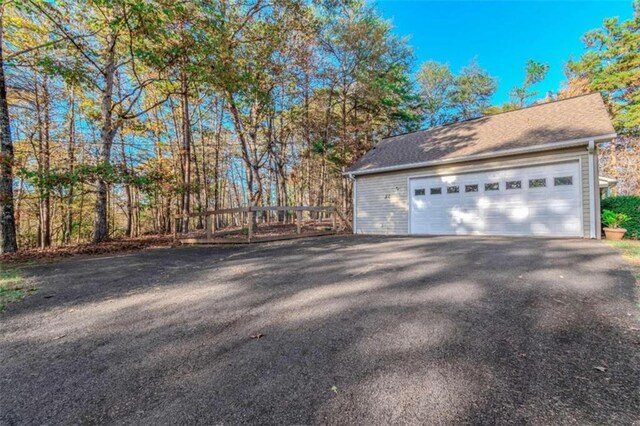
<point x="537" y="205"/>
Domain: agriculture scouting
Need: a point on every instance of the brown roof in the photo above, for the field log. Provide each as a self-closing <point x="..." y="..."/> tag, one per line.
<point x="536" y="126"/>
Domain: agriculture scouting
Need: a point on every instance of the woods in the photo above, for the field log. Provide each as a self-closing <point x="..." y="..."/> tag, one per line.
<point x="124" y="113"/>
<point x="118" y="114"/>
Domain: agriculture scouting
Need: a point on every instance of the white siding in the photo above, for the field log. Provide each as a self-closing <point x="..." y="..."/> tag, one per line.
<point x="382" y="202"/>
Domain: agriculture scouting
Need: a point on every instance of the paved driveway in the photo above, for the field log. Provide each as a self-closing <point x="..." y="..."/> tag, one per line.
<point x="355" y="330"/>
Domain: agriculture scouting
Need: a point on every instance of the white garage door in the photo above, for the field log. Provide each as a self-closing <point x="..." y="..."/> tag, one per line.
<point x="537" y="200"/>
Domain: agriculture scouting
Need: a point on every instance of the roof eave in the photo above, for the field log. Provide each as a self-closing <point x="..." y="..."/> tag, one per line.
<point x="504" y="153"/>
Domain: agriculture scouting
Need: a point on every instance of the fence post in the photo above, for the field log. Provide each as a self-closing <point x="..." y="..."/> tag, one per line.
<point x="333" y="219"/>
<point x="250" y="215"/>
<point x="175" y="229"/>
<point x="207" y="224"/>
<point x="298" y="221"/>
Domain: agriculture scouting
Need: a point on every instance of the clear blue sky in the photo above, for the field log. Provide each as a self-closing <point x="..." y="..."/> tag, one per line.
<point x="502" y="35"/>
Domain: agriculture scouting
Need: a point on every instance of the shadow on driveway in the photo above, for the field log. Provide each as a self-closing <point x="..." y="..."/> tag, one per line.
<point x="356" y="330"/>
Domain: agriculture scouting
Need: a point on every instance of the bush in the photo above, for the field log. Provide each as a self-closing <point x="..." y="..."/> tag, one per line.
<point x="630" y="206"/>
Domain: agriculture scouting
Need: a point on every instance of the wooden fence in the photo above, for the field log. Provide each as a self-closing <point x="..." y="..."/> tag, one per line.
<point x="248" y="218"/>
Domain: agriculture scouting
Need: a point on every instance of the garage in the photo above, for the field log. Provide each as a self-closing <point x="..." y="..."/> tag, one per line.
<point x="527" y="172"/>
<point x="540" y="200"/>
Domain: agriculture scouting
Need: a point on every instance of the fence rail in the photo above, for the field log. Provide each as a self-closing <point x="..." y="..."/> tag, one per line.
<point x="248" y="218"/>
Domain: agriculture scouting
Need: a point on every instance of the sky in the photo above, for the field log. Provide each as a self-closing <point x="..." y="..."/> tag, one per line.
<point x="501" y="34"/>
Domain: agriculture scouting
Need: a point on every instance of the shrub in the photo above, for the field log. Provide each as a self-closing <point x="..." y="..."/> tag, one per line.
<point x="628" y="205"/>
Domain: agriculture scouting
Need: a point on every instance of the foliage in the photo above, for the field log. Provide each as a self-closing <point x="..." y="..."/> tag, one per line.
<point x="471" y="95"/>
<point x="447" y="97"/>
<point x="614" y="220"/>
<point x="146" y="108"/>
<point x="436" y="83"/>
<point x="628" y="206"/>
<point x="620" y="159"/>
<point x="535" y="72"/>
<point x="611" y="66"/>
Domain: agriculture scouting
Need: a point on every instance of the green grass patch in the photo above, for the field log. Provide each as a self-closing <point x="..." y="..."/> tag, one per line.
<point x="630" y="250"/>
<point x="12" y="286"/>
<point x="631" y="253"/>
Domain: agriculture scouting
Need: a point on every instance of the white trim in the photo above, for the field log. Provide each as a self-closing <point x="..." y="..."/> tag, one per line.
<point x="409" y="202"/>
<point x="606" y="182"/>
<point x="503" y="153"/>
<point x="592" y="197"/>
<point x="354" y="194"/>
<point x="581" y="177"/>
<point x="485" y="168"/>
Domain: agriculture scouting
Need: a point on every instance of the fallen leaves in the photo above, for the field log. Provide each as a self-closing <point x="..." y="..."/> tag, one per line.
<point x="107" y="247"/>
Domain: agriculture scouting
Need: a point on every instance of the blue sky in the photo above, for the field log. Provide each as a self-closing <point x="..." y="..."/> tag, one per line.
<point x="501" y="35"/>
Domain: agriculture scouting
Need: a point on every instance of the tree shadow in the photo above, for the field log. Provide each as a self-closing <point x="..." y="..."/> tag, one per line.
<point x="355" y="330"/>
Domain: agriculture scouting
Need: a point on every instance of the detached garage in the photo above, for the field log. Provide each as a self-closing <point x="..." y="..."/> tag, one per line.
<point x="532" y="171"/>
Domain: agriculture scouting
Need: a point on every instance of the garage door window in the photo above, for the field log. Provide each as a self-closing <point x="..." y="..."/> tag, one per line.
<point x="514" y="184"/>
<point x="436" y="191"/>
<point x="453" y="189"/>
<point x="565" y="180"/>
<point x="492" y="186"/>
<point x="537" y="183"/>
<point x="418" y="192"/>
<point x="471" y="188"/>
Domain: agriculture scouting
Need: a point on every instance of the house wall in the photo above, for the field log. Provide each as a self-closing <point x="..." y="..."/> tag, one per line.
<point x="382" y="202"/>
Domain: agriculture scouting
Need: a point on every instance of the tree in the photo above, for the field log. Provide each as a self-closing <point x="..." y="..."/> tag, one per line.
<point x="611" y="66"/>
<point x="9" y="242"/>
<point x="436" y="82"/>
<point x="219" y="104"/>
<point x="472" y="92"/>
<point x="115" y="34"/>
<point x="448" y="98"/>
<point x="535" y="72"/>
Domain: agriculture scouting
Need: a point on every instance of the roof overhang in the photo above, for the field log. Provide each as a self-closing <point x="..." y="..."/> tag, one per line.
<point x="485" y="155"/>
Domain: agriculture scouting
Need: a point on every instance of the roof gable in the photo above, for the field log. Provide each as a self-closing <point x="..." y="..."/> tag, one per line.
<point x="540" y="126"/>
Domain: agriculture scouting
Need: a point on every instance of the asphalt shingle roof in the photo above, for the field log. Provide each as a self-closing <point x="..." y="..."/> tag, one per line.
<point x="559" y="121"/>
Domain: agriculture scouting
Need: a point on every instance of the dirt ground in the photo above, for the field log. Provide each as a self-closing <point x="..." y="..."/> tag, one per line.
<point x="107" y="247"/>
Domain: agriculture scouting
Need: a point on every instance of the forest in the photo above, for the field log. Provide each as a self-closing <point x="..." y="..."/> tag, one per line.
<point x="116" y="115"/>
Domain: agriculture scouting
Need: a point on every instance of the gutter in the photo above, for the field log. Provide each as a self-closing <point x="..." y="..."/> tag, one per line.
<point x="507" y="152"/>
<point x="354" y="195"/>
<point x="592" y="183"/>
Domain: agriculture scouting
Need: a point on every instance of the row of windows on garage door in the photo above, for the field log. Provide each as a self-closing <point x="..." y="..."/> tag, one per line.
<point x="495" y="186"/>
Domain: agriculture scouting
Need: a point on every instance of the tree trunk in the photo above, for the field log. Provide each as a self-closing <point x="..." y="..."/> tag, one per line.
<point x="8" y="242"/>
<point x="66" y="239"/>
<point x="185" y="150"/>
<point x="107" y="133"/>
<point x="216" y="164"/>
<point x="44" y="203"/>
<point x="254" y="182"/>
<point x="127" y="189"/>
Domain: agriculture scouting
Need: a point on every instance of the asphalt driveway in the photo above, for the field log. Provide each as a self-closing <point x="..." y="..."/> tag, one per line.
<point x="354" y="330"/>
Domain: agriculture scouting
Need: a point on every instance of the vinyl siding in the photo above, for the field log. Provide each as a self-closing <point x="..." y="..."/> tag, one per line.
<point x="382" y="202"/>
